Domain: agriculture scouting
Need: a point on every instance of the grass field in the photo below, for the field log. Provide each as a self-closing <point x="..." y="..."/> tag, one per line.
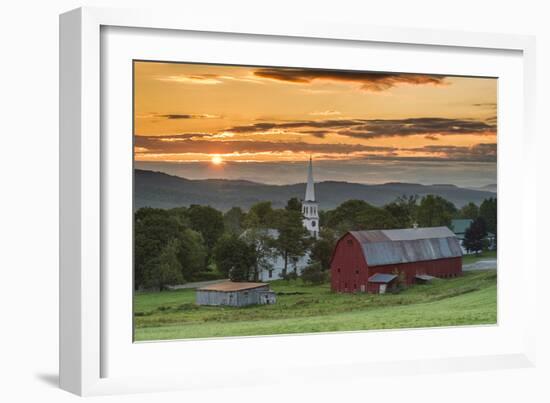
<point x="467" y="300"/>
<point x="485" y="255"/>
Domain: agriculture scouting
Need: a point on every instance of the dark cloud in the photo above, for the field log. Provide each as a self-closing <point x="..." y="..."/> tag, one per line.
<point x="180" y="116"/>
<point x="409" y="127"/>
<point x="485" y="152"/>
<point x="373" y="128"/>
<point x="489" y="105"/>
<point x="265" y="126"/>
<point x="175" y="137"/>
<point x="193" y="143"/>
<point x="321" y="134"/>
<point x="367" y="81"/>
<point x="187" y="116"/>
<point x="184" y="144"/>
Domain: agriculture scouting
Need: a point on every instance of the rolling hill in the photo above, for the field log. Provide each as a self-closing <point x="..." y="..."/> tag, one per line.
<point x="157" y="189"/>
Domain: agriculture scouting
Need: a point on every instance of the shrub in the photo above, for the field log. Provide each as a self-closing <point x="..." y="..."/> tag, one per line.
<point x="291" y="275"/>
<point x="314" y="275"/>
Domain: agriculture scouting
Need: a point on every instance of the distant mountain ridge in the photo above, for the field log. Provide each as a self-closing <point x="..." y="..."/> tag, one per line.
<point x="157" y="189"/>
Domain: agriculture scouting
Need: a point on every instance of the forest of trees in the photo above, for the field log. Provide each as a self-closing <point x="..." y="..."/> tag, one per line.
<point x="174" y="246"/>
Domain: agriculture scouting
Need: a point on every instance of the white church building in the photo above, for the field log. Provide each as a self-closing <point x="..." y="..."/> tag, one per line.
<point x="310" y="212"/>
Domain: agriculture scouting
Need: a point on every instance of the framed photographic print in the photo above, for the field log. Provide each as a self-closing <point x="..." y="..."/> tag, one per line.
<point x="264" y="191"/>
<point x="277" y="200"/>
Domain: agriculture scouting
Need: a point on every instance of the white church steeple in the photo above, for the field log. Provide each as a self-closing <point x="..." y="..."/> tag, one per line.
<point x="310" y="206"/>
<point x="310" y="188"/>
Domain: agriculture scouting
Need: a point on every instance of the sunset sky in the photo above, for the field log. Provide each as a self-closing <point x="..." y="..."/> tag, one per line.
<point x="263" y="123"/>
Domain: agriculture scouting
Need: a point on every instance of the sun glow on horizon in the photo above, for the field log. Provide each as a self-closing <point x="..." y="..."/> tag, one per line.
<point x="217" y="160"/>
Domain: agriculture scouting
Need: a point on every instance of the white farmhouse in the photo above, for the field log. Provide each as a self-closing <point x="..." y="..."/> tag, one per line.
<point x="310" y="210"/>
<point x="276" y="264"/>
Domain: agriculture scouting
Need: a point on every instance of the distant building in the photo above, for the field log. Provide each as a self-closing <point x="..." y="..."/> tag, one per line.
<point x="359" y="256"/>
<point x="276" y="263"/>
<point x="459" y="227"/>
<point x="310" y="221"/>
<point x="235" y="294"/>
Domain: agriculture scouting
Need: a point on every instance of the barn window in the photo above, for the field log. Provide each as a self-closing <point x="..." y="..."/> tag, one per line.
<point x="350" y="242"/>
<point x="356" y="271"/>
<point x="338" y="270"/>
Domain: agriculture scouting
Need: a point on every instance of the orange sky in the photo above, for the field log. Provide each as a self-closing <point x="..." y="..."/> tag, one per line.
<point x="197" y="112"/>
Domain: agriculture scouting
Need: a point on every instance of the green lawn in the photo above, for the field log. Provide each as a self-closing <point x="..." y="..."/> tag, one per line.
<point x="467" y="300"/>
<point x="485" y="255"/>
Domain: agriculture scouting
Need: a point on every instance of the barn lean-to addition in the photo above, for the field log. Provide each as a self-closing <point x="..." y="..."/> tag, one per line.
<point x="405" y="253"/>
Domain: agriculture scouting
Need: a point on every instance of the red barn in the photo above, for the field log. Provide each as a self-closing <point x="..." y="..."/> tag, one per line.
<point x="359" y="255"/>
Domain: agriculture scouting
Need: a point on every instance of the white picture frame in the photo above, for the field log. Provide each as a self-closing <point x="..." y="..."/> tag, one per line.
<point x="93" y="348"/>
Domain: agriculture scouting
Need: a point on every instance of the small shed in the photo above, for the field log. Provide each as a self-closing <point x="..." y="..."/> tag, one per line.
<point x="380" y="283"/>
<point x="232" y="293"/>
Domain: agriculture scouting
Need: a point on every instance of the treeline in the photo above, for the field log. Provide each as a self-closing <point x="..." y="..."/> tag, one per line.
<point x="201" y="243"/>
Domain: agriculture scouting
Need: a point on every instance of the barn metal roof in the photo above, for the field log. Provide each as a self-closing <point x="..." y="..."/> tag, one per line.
<point x="382" y="278"/>
<point x="383" y="247"/>
<point x="228" y="286"/>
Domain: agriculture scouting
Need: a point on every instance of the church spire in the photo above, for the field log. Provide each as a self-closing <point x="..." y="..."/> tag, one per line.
<point x="310" y="188"/>
<point x="310" y="207"/>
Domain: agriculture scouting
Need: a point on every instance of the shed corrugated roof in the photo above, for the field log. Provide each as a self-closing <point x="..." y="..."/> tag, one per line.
<point x="227" y="286"/>
<point x="382" y="278"/>
<point x="383" y="247"/>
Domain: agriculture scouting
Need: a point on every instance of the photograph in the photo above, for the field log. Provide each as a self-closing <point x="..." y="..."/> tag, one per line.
<point x="275" y="200"/>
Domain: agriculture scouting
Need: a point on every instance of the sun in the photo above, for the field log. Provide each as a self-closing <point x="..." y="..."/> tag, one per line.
<point x="216" y="160"/>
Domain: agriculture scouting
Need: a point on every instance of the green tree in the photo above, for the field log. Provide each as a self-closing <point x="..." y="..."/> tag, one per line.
<point x="260" y="215"/>
<point x="180" y="215"/>
<point x="488" y="211"/>
<point x="345" y="217"/>
<point x="294" y="204"/>
<point x="470" y="210"/>
<point x="475" y="235"/>
<point x="263" y="244"/>
<point x="165" y="269"/>
<point x="403" y="210"/>
<point x="233" y="220"/>
<point x="208" y="222"/>
<point x="153" y="230"/>
<point x="293" y="240"/>
<point x="192" y="254"/>
<point x="321" y="249"/>
<point x="355" y="215"/>
<point x="234" y="258"/>
<point x="376" y="218"/>
<point x="435" y="211"/>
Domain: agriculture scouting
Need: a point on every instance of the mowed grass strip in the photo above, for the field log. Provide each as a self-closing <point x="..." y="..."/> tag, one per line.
<point x="485" y="255"/>
<point x="300" y="308"/>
